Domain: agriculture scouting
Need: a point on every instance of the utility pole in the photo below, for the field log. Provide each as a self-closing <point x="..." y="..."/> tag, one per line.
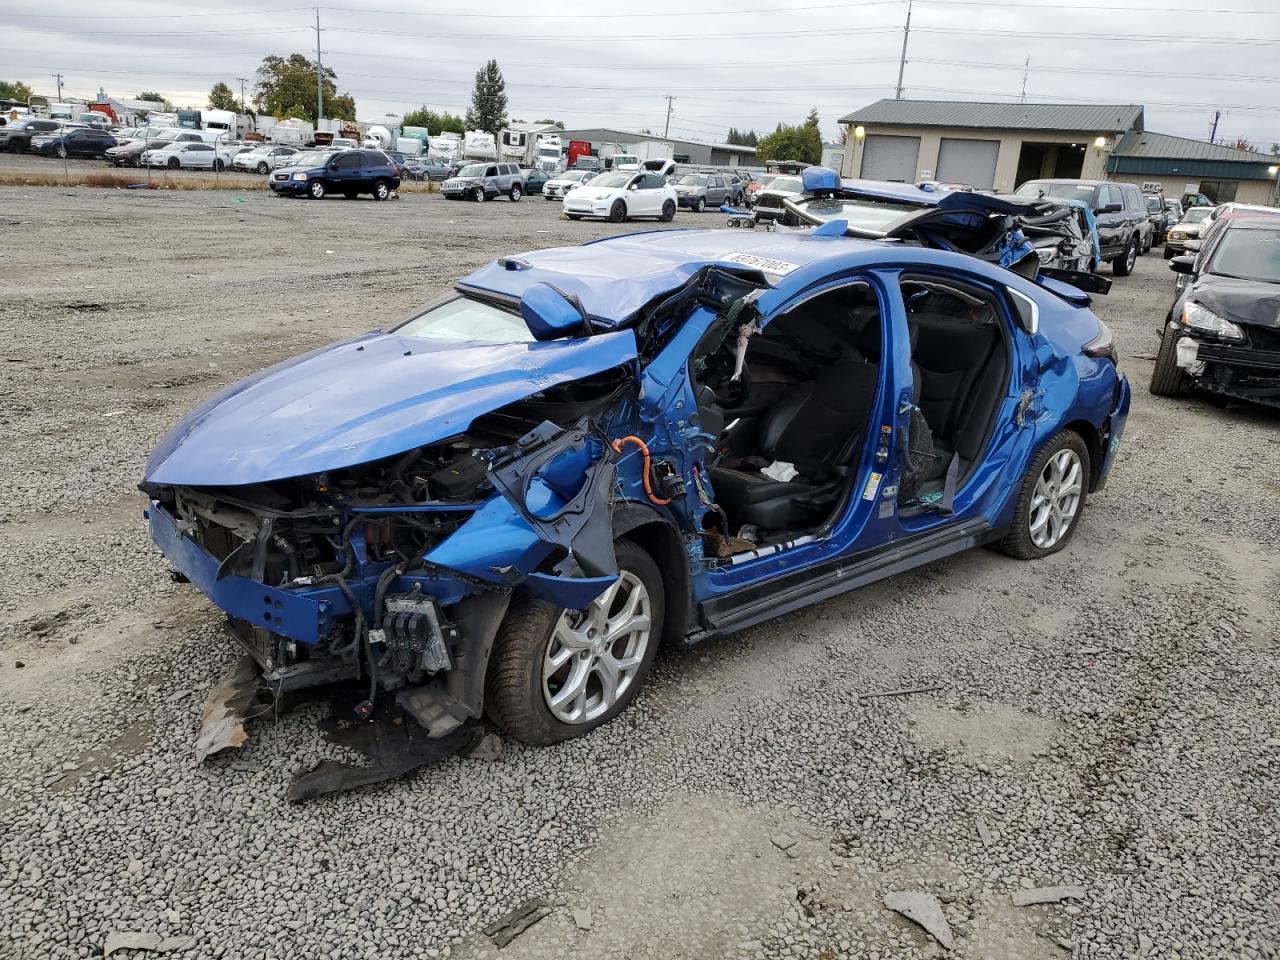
<point x="1026" y="68"/>
<point x="667" y="129"/>
<point x="242" y="83"/>
<point x="319" y="74"/>
<point x="58" y="77"/>
<point x="1213" y="131"/>
<point x="902" y="64"/>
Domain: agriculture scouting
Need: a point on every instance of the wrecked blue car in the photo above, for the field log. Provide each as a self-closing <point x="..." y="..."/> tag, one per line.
<point x="505" y="503"/>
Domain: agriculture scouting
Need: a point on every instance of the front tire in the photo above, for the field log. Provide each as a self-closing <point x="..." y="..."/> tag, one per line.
<point x="1167" y="378"/>
<point x="1051" y="498"/>
<point x="618" y="212"/>
<point x="1168" y="253"/>
<point x="699" y="205"/>
<point x="668" y="212"/>
<point x="174" y="163"/>
<point x="1123" y="265"/>
<point x="557" y="674"/>
<point x="263" y="168"/>
<point x="218" y="166"/>
<point x="316" y="190"/>
<point x="62" y="151"/>
<point x="478" y="194"/>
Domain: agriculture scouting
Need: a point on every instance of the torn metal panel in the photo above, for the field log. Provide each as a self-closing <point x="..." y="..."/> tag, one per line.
<point x="232" y="701"/>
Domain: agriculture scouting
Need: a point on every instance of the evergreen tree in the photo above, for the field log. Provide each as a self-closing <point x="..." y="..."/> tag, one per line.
<point x="221" y="98"/>
<point x="488" y="109"/>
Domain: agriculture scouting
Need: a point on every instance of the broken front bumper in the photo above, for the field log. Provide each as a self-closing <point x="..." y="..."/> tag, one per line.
<point x="1239" y="370"/>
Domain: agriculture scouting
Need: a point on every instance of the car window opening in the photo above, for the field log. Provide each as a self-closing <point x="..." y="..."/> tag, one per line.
<point x="790" y="408"/>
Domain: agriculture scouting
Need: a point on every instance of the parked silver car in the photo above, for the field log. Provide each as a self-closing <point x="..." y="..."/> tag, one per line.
<point x="485" y="181"/>
<point x="264" y="158"/>
<point x="562" y="183"/>
<point x="697" y="191"/>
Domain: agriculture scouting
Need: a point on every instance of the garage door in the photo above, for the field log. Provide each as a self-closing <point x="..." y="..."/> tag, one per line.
<point x="890" y="158"/>
<point x="968" y="161"/>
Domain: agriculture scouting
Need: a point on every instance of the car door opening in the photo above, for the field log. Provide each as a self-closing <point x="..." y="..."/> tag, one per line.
<point x="795" y="402"/>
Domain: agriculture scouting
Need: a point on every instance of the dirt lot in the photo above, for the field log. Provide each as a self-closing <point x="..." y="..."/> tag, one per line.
<point x="1108" y="717"/>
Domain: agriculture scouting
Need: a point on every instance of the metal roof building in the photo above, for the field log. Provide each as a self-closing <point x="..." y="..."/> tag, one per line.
<point x="684" y="151"/>
<point x="1178" y="163"/>
<point x="1059" y="117"/>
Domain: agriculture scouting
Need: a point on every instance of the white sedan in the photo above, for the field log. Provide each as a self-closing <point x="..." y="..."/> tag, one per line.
<point x="559" y="186"/>
<point x="189" y="156"/>
<point x="618" y="196"/>
<point x="264" y="158"/>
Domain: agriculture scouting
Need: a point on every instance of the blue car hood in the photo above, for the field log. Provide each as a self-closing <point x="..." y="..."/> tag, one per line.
<point x="363" y="399"/>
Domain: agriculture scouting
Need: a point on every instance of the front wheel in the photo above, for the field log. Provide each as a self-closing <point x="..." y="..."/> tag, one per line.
<point x="516" y="192"/>
<point x="62" y="151"/>
<point x="1123" y="265"/>
<point x="478" y="194"/>
<point x="1168" y="253"/>
<point x="263" y="168"/>
<point x="381" y="190"/>
<point x="1050" y="499"/>
<point x="699" y="205"/>
<point x="1167" y="378"/>
<point x="218" y="166"/>
<point x="668" y="211"/>
<point x="618" y="212"/>
<point x="316" y="190"/>
<point x="557" y="674"/>
<point x="574" y="216"/>
<point x="174" y="163"/>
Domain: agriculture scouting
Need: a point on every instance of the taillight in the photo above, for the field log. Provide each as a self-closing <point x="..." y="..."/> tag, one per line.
<point x="1102" y="347"/>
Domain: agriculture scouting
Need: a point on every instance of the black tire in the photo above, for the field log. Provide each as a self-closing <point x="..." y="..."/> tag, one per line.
<point x="1167" y="378"/>
<point x="477" y="194"/>
<point x="699" y="204"/>
<point x="315" y="189"/>
<point x="1017" y="543"/>
<point x="1169" y="252"/>
<point x="62" y="151"/>
<point x="618" y="212"/>
<point x="516" y="193"/>
<point x="381" y="190"/>
<point x="173" y="163"/>
<point x="513" y="688"/>
<point x="262" y="167"/>
<point x="574" y="216"/>
<point x="218" y="165"/>
<point x="1123" y="265"/>
<point x="349" y="194"/>
<point x="668" y="212"/>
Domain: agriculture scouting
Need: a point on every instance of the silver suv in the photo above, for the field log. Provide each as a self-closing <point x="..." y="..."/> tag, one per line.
<point x="701" y="190"/>
<point x="485" y="181"/>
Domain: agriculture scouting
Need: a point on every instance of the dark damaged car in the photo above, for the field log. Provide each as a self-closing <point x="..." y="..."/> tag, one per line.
<point x="503" y="505"/>
<point x="1222" y="334"/>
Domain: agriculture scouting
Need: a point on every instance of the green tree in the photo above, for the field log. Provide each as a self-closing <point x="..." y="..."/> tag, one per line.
<point x="15" y="91"/>
<point x="488" y="109"/>
<point x="435" y="123"/>
<point x="221" y="98"/>
<point x="812" y="119"/>
<point x="164" y="103"/>
<point x="554" y="123"/>
<point x="801" y="143"/>
<point x="286" y="87"/>
<point x="742" y="138"/>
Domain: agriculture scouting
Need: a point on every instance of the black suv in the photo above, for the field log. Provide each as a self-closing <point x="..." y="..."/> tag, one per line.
<point x="1124" y="230"/>
<point x="317" y="173"/>
<point x="16" y="137"/>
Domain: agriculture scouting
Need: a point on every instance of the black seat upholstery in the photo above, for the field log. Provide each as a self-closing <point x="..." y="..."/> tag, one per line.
<point x="816" y="427"/>
<point x="959" y="370"/>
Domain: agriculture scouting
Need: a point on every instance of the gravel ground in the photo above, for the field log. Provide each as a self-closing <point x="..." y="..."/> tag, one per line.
<point x="1107" y="717"/>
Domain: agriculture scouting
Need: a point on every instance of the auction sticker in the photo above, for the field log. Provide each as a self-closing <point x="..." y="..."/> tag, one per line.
<point x="767" y="264"/>
<point x="873" y="484"/>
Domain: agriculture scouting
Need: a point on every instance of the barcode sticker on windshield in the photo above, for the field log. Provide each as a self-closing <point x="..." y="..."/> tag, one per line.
<point x="767" y="264"/>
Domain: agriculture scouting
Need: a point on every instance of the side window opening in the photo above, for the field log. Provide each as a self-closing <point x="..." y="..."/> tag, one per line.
<point x="795" y="402"/>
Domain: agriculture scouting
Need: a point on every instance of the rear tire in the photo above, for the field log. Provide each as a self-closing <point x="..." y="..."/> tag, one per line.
<point x="668" y="212"/>
<point x="516" y="193"/>
<point x="517" y="689"/>
<point x="618" y="212"/>
<point x="381" y="190"/>
<point x="1167" y="378"/>
<point x="1123" y="265"/>
<point x="1018" y="542"/>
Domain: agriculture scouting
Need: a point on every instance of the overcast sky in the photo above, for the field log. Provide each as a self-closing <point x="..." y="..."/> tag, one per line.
<point x="753" y="66"/>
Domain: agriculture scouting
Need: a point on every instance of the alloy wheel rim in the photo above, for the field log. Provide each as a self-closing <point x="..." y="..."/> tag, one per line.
<point x="1133" y="255"/>
<point x="593" y="656"/>
<point x="1056" y="499"/>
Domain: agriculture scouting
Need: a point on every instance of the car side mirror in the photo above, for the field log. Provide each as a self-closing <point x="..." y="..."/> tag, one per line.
<point x="1183" y="264"/>
<point x="1109" y="208"/>
<point x="634" y="186"/>
<point x="549" y="313"/>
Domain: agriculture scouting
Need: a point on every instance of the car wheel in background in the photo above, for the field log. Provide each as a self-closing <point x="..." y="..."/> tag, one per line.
<point x="218" y="165"/>
<point x="173" y="163"/>
<point x="699" y="205"/>
<point x="381" y="190"/>
<point x="516" y="192"/>
<point x="574" y="216"/>
<point x="1050" y="499"/>
<point x="557" y="673"/>
<point x="618" y="212"/>
<point x="1123" y="265"/>
<point x="62" y="151"/>
<point x="1168" y="253"/>
<point x="1167" y="378"/>
<point x="262" y="167"/>
<point x="478" y="194"/>
<point x="316" y="190"/>
<point x="668" y="211"/>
